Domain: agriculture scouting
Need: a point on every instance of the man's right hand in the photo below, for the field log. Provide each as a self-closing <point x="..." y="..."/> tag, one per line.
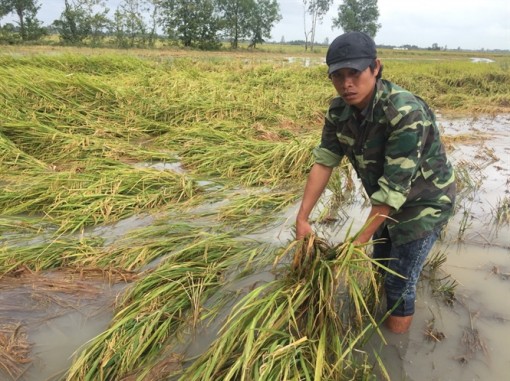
<point x="315" y="185"/>
<point x="303" y="228"/>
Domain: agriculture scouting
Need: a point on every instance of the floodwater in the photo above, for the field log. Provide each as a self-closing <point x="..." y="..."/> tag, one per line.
<point x="466" y="339"/>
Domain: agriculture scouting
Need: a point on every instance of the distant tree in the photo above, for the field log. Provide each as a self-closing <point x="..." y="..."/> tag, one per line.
<point x="316" y="9"/>
<point x="8" y="34"/>
<point x="195" y="23"/>
<point x="118" y="29"/>
<point x="130" y="25"/>
<point x="154" y="10"/>
<point x="235" y="19"/>
<point x="282" y="40"/>
<point x="359" y="16"/>
<point x="5" y="8"/>
<point x="82" y="19"/>
<point x="305" y="28"/>
<point x="34" y="29"/>
<point x="100" y="24"/>
<point x="26" y="10"/>
<point x="262" y="18"/>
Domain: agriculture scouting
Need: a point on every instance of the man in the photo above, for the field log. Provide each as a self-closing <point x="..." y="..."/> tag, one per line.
<point x="391" y="139"/>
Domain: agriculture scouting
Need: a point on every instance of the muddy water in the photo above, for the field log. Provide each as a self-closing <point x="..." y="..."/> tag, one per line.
<point x="465" y="340"/>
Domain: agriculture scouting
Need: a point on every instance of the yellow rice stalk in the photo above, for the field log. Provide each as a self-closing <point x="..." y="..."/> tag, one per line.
<point x="305" y="325"/>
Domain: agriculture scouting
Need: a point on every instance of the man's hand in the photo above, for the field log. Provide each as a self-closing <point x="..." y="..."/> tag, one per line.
<point x="376" y="217"/>
<point x="315" y="185"/>
<point x="303" y="228"/>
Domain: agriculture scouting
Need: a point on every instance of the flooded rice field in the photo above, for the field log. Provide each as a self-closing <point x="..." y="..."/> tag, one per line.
<point x="48" y="316"/>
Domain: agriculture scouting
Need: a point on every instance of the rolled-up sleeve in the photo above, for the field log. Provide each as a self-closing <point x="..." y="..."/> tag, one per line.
<point x="389" y="194"/>
<point x="326" y="157"/>
<point x="329" y="152"/>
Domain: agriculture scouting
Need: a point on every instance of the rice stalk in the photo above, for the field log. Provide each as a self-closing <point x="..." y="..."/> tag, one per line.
<point x="255" y="210"/>
<point x="252" y="163"/>
<point x="13" y="157"/>
<point x="59" y="252"/>
<point x="304" y="325"/>
<point x="22" y="228"/>
<point x="162" y="305"/>
<point x="502" y="211"/>
<point x="442" y="284"/>
<point x="51" y="145"/>
<point x="142" y="246"/>
<point x="93" y="193"/>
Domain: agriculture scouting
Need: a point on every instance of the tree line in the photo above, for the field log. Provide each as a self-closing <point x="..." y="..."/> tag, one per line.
<point x="201" y="24"/>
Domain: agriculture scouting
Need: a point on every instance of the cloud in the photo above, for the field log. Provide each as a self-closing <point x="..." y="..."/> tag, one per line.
<point x="470" y="24"/>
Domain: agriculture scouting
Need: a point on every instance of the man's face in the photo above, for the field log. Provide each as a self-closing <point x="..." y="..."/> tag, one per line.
<point x="354" y="86"/>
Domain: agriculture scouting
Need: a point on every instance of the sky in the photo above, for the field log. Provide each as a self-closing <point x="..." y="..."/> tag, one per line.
<point x="468" y="24"/>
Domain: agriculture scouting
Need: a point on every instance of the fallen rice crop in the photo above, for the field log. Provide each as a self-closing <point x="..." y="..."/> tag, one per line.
<point x="73" y="131"/>
<point x="14" y="350"/>
<point x="164" y="304"/>
<point x="304" y="325"/>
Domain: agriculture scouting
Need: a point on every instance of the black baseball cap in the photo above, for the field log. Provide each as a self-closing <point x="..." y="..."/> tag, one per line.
<point x="354" y="50"/>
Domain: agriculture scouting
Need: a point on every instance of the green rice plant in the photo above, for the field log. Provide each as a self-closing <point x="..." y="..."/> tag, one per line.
<point x="37" y="256"/>
<point x="454" y="84"/>
<point x="465" y="221"/>
<point x="163" y="304"/>
<point x="96" y="64"/>
<point x="165" y="301"/>
<point x="50" y="145"/>
<point x="21" y="227"/>
<point x="254" y="210"/>
<point x="75" y="103"/>
<point x="252" y="163"/>
<point x="342" y="189"/>
<point x="304" y="325"/>
<point x="144" y="245"/>
<point x="468" y="180"/>
<point x="93" y="192"/>
<point x="13" y="157"/>
<point x="37" y="249"/>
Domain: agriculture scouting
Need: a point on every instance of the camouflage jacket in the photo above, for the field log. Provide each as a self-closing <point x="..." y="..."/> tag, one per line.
<point x="397" y="153"/>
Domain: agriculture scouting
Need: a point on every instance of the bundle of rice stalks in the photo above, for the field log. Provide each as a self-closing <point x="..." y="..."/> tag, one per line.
<point x="93" y="192"/>
<point x="305" y="325"/>
<point x="255" y="210"/>
<point x="142" y="246"/>
<point x="13" y="157"/>
<point x="51" y="145"/>
<point x="22" y="228"/>
<point x="164" y="304"/>
<point x="251" y="163"/>
<point x="37" y="256"/>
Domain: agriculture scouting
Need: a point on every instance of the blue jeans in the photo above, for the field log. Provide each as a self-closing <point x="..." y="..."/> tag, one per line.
<point x="407" y="260"/>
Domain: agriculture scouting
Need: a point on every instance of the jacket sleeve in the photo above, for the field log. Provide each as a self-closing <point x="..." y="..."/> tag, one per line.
<point x="329" y="152"/>
<point x="403" y="155"/>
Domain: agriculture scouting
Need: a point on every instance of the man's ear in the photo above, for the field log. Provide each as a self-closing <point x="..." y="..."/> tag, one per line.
<point x="377" y="68"/>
